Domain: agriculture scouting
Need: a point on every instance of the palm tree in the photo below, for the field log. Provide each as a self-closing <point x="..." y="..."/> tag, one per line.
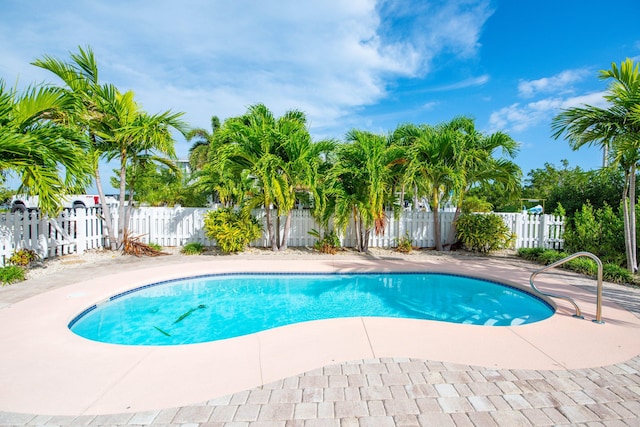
<point x="36" y="147"/>
<point x="431" y="163"/>
<point x="477" y="165"/>
<point x="361" y="183"/>
<point x="204" y="140"/>
<point x="278" y="154"/>
<point x="80" y="76"/>
<point x="616" y="129"/>
<point x="126" y="132"/>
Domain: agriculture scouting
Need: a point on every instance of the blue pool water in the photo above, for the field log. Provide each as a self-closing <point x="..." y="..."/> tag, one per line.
<point x="216" y="307"/>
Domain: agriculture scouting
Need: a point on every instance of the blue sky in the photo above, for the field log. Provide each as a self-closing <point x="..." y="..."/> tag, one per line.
<point x="365" y="64"/>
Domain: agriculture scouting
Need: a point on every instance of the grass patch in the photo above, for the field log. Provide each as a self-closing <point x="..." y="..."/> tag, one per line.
<point x="192" y="248"/>
<point x="11" y="274"/>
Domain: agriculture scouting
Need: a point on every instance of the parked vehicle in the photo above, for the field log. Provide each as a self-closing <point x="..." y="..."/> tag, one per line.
<point x="25" y="203"/>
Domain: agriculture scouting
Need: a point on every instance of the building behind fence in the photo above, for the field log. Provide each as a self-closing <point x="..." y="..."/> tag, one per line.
<point x="79" y="230"/>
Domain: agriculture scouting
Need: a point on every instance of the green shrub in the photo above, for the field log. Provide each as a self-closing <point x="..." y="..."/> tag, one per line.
<point x="329" y="244"/>
<point x="582" y="265"/>
<point x="599" y="231"/>
<point x="617" y="274"/>
<point x="11" y="274"/>
<point x="550" y="256"/>
<point x="233" y="231"/>
<point x="23" y="257"/>
<point x="483" y="233"/>
<point x="530" y="254"/>
<point x="192" y="248"/>
<point x="404" y="244"/>
<point x="155" y="246"/>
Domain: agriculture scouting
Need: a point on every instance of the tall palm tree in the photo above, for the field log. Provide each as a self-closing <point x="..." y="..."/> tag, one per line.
<point x="80" y="77"/>
<point x="432" y="163"/>
<point x="126" y="132"/>
<point x="361" y="181"/>
<point x="477" y="165"/>
<point x="281" y="157"/>
<point x="616" y="128"/>
<point x="35" y="146"/>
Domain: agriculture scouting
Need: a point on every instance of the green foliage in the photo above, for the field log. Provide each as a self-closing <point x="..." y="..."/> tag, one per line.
<point x="530" y="254"/>
<point x="572" y="187"/>
<point x="599" y="231"/>
<point x="550" y="256"/>
<point x="582" y="265"/>
<point x="475" y="204"/>
<point x="610" y="272"/>
<point x="192" y="248"/>
<point x="559" y="210"/>
<point x="11" y="274"/>
<point x="329" y="244"/>
<point x="155" y="246"/>
<point x="483" y="233"/>
<point x="617" y="274"/>
<point x="23" y="257"/>
<point x="404" y="244"/>
<point x="233" y="231"/>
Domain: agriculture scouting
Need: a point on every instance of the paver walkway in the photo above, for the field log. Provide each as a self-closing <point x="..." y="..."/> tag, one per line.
<point x="407" y="392"/>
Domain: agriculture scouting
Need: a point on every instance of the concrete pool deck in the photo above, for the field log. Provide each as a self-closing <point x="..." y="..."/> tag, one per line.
<point x="45" y="369"/>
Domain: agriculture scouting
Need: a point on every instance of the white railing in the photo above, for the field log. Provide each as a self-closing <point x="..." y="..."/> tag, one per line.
<point x="83" y="229"/>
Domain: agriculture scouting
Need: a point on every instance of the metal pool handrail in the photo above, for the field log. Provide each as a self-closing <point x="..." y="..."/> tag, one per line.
<point x="598" y="318"/>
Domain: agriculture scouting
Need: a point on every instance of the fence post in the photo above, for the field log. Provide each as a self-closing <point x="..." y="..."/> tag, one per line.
<point x="81" y="230"/>
<point x="542" y="231"/>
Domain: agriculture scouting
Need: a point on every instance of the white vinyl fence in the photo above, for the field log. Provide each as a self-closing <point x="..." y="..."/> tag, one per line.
<point x="83" y="229"/>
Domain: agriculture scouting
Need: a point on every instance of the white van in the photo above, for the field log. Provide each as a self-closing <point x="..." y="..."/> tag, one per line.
<point x="24" y="203"/>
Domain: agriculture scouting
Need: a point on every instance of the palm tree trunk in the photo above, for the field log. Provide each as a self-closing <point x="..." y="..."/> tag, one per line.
<point x="285" y="233"/>
<point x="272" y="241"/>
<point x="627" y="222"/>
<point x="436" y="220"/>
<point x="121" y="198"/>
<point x="632" y="218"/>
<point x="356" y="227"/>
<point x="106" y="212"/>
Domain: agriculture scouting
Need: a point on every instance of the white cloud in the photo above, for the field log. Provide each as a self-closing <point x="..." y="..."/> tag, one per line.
<point x="558" y="84"/>
<point x="470" y="82"/>
<point x="206" y="58"/>
<point x="518" y="117"/>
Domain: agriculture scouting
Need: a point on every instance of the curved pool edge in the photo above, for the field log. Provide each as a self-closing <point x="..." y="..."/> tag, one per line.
<point x="43" y="356"/>
<point x="90" y="310"/>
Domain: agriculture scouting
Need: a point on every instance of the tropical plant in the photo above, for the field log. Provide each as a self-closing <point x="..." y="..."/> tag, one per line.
<point x="432" y="165"/>
<point x="404" y="244"/>
<point x="278" y="155"/>
<point x="23" y="257"/>
<point x="483" y="232"/>
<point x="203" y="142"/>
<point x="113" y="123"/>
<point x="192" y="248"/>
<point x="617" y="130"/>
<point x="233" y="231"/>
<point x="36" y="147"/>
<point x="361" y="181"/>
<point x="329" y="244"/>
<point x="80" y="76"/>
<point x="127" y="133"/>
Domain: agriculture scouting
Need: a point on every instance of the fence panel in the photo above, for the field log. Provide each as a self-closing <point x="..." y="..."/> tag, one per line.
<point x="83" y="229"/>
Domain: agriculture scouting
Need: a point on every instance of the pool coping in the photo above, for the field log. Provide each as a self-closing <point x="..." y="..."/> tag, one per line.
<point x="48" y="369"/>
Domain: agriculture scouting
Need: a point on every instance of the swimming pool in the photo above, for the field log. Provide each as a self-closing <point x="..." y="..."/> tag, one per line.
<point x="216" y="307"/>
